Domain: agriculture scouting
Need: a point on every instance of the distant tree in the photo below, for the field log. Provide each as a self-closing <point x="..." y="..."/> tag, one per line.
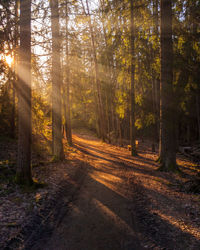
<point x="56" y="83"/>
<point x="155" y="75"/>
<point x="132" y="113"/>
<point x="66" y="87"/>
<point x="24" y="96"/>
<point x="167" y="107"/>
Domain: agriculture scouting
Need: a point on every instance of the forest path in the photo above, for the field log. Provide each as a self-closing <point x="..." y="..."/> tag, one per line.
<point x="100" y="216"/>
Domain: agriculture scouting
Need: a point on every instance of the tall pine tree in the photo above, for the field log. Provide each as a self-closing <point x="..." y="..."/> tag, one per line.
<point x="167" y="107"/>
<point x="56" y="83"/>
<point x="24" y="96"/>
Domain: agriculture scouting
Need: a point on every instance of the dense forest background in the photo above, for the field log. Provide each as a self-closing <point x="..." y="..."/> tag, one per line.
<point x="88" y="60"/>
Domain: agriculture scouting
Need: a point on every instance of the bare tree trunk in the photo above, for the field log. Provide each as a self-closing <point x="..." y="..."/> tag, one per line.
<point x="132" y="93"/>
<point x="198" y="113"/>
<point x="66" y="88"/>
<point x="155" y="80"/>
<point x="188" y="133"/>
<point x="56" y="83"/>
<point x="113" y="118"/>
<point x="13" y="113"/>
<point x="108" y="120"/>
<point x="109" y="79"/>
<point x="24" y="96"/>
<point x="167" y="107"/>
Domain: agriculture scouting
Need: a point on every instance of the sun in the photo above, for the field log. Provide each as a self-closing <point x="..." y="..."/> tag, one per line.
<point x="9" y="59"/>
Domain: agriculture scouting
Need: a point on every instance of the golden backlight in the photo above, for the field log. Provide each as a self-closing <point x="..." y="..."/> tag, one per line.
<point x="9" y="60"/>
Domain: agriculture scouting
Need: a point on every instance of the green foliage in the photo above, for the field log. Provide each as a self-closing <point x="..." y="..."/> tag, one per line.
<point x="138" y="124"/>
<point x="41" y="125"/>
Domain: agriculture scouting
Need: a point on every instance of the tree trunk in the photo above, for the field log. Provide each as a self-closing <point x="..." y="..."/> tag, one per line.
<point x="56" y="83"/>
<point x="66" y="88"/>
<point x="24" y="96"/>
<point x="13" y="113"/>
<point x="16" y="33"/>
<point x="198" y="113"/>
<point x="156" y="80"/>
<point x="132" y="93"/>
<point x="108" y="120"/>
<point x="188" y="132"/>
<point x="167" y="107"/>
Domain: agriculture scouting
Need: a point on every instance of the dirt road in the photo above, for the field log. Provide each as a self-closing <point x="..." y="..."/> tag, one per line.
<point x="101" y="215"/>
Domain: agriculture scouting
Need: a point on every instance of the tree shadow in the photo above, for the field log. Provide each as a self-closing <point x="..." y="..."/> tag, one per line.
<point x="116" y="161"/>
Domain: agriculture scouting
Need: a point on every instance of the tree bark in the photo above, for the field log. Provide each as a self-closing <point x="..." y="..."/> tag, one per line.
<point x="156" y="80"/>
<point x="56" y="83"/>
<point x="13" y="112"/>
<point x="67" y="87"/>
<point x="15" y="45"/>
<point x="132" y="92"/>
<point x="24" y="96"/>
<point x="167" y="107"/>
<point x="198" y="113"/>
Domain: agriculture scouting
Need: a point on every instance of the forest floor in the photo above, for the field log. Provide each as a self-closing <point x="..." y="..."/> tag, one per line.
<point x="100" y="198"/>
